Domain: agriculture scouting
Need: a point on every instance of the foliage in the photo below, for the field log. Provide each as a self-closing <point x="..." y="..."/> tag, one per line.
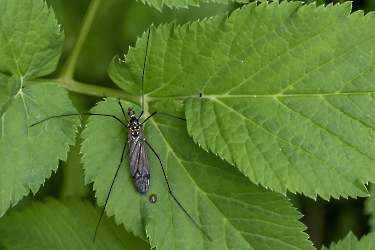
<point x="281" y="92"/>
<point x="63" y="225"/>
<point x="350" y="242"/>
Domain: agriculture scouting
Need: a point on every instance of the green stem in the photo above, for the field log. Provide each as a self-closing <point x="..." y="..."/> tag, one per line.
<point x="94" y="90"/>
<point x="89" y="89"/>
<point x="70" y="64"/>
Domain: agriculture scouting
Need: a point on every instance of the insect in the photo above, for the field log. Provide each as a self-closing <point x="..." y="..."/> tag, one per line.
<point x="139" y="166"/>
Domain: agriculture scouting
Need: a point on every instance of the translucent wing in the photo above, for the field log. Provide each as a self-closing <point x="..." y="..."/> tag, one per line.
<point x="139" y="166"/>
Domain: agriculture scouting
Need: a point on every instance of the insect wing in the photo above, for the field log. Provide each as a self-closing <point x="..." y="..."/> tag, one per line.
<point x="139" y="166"/>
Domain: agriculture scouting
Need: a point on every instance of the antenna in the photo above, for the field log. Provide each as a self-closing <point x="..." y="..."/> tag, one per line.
<point x="143" y="74"/>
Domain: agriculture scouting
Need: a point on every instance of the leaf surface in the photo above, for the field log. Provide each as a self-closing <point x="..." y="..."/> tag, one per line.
<point x="29" y="154"/>
<point x="30" y="46"/>
<point x="63" y="225"/>
<point x="30" y="39"/>
<point x="350" y="242"/>
<point x="9" y="87"/>
<point x="185" y="3"/>
<point x="297" y="115"/>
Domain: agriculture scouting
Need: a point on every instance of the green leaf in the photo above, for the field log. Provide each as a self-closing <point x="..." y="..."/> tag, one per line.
<point x="185" y="3"/>
<point x="30" y="39"/>
<point x="288" y="125"/>
<point x="293" y="125"/>
<point x="350" y="242"/>
<point x="235" y="213"/>
<point x="28" y="154"/>
<point x="367" y="242"/>
<point x="30" y="46"/>
<point x="9" y="87"/>
<point x="287" y="92"/>
<point x="63" y="225"/>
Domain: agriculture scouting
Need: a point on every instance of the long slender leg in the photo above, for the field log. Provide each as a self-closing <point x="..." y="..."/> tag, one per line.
<point x="55" y="116"/>
<point x="163" y="114"/>
<point x="143" y="73"/>
<point x="119" y="102"/>
<point x="122" y="157"/>
<point x="169" y="188"/>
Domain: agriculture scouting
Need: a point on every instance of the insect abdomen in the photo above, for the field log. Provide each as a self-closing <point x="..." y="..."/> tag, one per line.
<point x="139" y="167"/>
<point x="142" y="182"/>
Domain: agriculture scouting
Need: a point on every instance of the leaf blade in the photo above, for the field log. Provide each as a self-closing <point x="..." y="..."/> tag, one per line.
<point x="30" y="39"/>
<point x="61" y="225"/>
<point x="25" y="167"/>
<point x="9" y="87"/>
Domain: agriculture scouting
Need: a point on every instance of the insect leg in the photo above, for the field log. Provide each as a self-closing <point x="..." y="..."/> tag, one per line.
<point x="143" y="73"/>
<point x="163" y="114"/>
<point x="122" y="157"/>
<point x="55" y="116"/>
<point x="169" y="188"/>
<point x="119" y="102"/>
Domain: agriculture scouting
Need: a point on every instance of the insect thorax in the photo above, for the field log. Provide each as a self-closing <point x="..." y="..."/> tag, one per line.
<point x="134" y="126"/>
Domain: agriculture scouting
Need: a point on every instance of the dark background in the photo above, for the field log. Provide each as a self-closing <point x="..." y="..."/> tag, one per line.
<point x="116" y="27"/>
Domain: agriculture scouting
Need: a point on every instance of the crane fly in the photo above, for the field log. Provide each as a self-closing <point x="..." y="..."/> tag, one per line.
<point x="138" y="159"/>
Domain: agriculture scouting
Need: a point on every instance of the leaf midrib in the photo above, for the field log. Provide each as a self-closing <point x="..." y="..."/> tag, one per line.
<point x="324" y="163"/>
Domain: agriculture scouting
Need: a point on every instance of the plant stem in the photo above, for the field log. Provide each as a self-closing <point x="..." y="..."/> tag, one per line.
<point x="89" y="89"/>
<point x="71" y="62"/>
<point x="94" y="90"/>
